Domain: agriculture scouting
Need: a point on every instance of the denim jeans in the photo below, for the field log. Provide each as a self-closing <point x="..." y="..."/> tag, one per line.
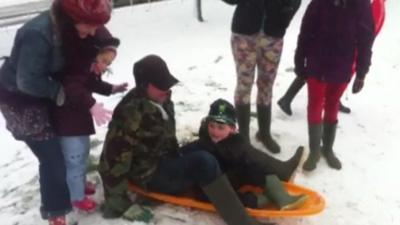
<point x="178" y="174"/>
<point x="76" y="153"/>
<point x="54" y="193"/>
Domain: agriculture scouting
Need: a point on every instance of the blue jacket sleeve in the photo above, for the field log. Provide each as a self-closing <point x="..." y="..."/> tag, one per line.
<point x="33" y="76"/>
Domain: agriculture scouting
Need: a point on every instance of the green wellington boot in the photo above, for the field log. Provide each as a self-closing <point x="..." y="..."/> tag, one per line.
<point x="243" y="116"/>
<point x="270" y="165"/>
<point x="314" y="140"/>
<point x="264" y="129"/>
<point x="277" y="193"/>
<point x="227" y="203"/>
<point x="328" y="138"/>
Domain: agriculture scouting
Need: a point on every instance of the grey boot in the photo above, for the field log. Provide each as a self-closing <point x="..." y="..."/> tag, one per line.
<point x="278" y="194"/>
<point x="286" y="100"/>
<point x="264" y="132"/>
<point x="270" y="165"/>
<point x="227" y="203"/>
<point x="243" y="116"/>
<point x="314" y="140"/>
<point x="328" y="139"/>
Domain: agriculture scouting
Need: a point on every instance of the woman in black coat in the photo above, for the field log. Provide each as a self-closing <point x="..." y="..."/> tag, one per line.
<point x="258" y="28"/>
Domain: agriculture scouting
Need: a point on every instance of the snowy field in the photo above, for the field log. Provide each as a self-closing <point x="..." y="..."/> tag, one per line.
<point x="364" y="192"/>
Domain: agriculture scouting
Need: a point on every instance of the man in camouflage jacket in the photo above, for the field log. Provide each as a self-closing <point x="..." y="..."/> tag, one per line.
<point x="141" y="146"/>
<point x="140" y="133"/>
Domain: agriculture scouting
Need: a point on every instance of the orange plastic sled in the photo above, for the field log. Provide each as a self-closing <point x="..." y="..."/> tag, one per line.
<point x="314" y="205"/>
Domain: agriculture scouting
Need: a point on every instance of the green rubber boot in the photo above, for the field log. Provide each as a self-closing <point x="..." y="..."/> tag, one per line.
<point x="328" y="139"/>
<point x="277" y="193"/>
<point x="264" y="129"/>
<point x="314" y="139"/>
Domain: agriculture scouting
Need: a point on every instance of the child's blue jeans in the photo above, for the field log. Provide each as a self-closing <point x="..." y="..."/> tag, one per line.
<point x="76" y="153"/>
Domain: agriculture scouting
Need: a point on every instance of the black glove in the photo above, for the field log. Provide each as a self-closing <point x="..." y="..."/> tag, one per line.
<point x="358" y="84"/>
<point x="300" y="72"/>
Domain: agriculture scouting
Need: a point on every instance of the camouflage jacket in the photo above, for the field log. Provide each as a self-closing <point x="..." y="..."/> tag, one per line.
<point x="139" y="135"/>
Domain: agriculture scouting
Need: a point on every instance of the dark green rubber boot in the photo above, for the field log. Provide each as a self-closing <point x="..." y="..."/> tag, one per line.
<point x="328" y="138"/>
<point x="243" y="116"/>
<point x="264" y="129"/>
<point x="314" y="140"/>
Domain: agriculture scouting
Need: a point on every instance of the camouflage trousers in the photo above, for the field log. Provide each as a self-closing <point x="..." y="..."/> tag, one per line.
<point x="249" y="52"/>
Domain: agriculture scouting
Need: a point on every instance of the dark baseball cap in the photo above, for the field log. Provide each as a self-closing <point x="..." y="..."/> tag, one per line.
<point x="222" y="111"/>
<point x="153" y="69"/>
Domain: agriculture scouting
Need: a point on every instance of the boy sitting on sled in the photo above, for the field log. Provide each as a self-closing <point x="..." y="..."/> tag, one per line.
<point x="244" y="164"/>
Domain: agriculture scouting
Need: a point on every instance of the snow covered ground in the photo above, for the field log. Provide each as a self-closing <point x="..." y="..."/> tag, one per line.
<point x="364" y="192"/>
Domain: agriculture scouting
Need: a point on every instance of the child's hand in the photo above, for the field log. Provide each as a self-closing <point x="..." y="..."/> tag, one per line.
<point x="119" y="88"/>
<point x="100" y="114"/>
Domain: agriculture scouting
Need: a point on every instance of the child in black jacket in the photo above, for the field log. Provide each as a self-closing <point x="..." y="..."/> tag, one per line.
<point x="243" y="163"/>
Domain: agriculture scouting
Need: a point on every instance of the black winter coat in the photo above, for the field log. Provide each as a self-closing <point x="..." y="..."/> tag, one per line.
<point x="270" y="16"/>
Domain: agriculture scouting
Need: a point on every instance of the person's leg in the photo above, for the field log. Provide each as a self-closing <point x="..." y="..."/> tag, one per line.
<point x="177" y="175"/>
<point x="274" y="190"/>
<point x="286" y="100"/>
<point x="200" y="168"/>
<point x="52" y="178"/>
<point x="244" y="54"/>
<point x="76" y="152"/>
<point x="332" y="103"/>
<point x="316" y="101"/>
<point x="270" y="165"/>
<point x="334" y="92"/>
<point x="269" y="51"/>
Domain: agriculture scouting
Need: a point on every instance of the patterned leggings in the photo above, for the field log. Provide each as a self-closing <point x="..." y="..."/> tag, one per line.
<point x="250" y="51"/>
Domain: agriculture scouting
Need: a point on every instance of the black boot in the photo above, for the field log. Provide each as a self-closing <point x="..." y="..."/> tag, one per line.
<point x="227" y="203"/>
<point x="264" y="132"/>
<point x="243" y="115"/>
<point x="314" y="140"/>
<point x="328" y="139"/>
<point x="291" y="92"/>
<point x="343" y="108"/>
<point x="270" y="165"/>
